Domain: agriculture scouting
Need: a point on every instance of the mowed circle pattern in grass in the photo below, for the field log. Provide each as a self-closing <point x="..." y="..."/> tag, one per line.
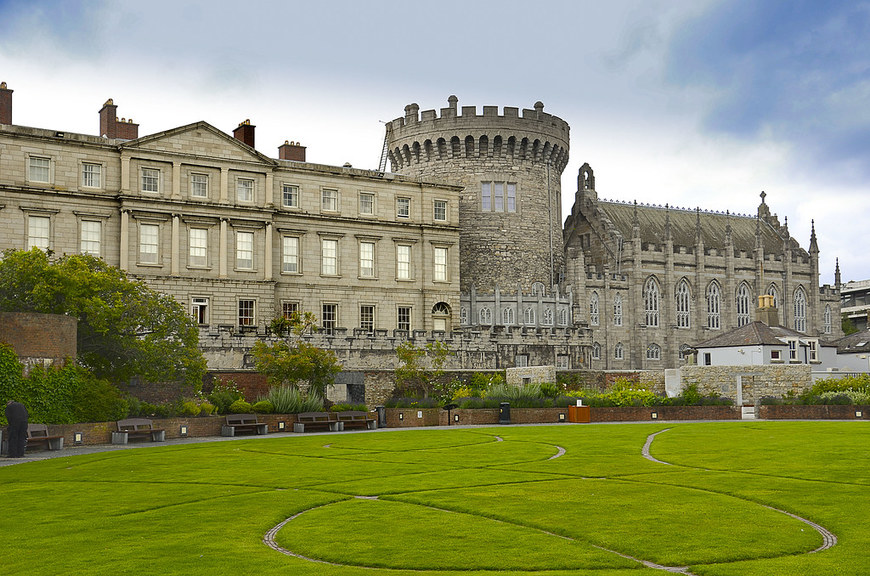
<point x="543" y="499"/>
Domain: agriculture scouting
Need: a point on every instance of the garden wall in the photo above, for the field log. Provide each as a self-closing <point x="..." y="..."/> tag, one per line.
<point x="821" y="412"/>
<point x="643" y="413"/>
<point x="768" y="380"/>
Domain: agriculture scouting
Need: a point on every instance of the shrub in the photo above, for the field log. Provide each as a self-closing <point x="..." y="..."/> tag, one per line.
<point x="407" y="402"/>
<point x="189" y="408"/>
<point x="206" y="409"/>
<point x="349" y="408"/>
<point x="263" y="407"/>
<point x="480" y="381"/>
<point x="95" y="400"/>
<point x="223" y="395"/>
<point x="239" y="407"/>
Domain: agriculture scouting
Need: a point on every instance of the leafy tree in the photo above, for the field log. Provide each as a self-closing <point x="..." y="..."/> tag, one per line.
<point x="293" y="360"/>
<point x="125" y="328"/>
<point x="422" y="369"/>
<point x="848" y="325"/>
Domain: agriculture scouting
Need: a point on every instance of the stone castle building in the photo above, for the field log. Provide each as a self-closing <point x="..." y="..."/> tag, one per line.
<point x="463" y="242"/>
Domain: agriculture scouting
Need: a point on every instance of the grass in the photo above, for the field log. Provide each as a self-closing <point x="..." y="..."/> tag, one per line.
<point x="458" y="502"/>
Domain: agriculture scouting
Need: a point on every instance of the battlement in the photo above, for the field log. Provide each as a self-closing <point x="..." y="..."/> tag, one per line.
<point x="533" y="136"/>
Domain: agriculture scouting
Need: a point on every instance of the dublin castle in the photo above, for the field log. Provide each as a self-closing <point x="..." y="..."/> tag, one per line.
<point x="462" y="242"/>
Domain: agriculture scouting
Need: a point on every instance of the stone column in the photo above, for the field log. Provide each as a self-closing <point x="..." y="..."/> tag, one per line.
<point x="125" y="240"/>
<point x="176" y="245"/>
<point x="125" y="174"/>
<point x="225" y="185"/>
<point x="222" y="250"/>
<point x="267" y="259"/>
<point x="176" y="180"/>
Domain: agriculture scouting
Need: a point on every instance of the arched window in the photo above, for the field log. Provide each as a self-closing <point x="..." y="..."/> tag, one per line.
<point x="617" y="310"/>
<point x="596" y="351"/>
<point x="651" y="302"/>
<point x="463" y="316"/>
<point x="594" y="316"/>
<point x="507" y="316"/>
<point x="714" y="306"/>
<point x="653" y="352"/>
<point x="772" y="291"/>
<point x="683" y="305"/>
<point x="743" y="300"/>
<point x="529" y="316"/>
<point x="619" y="351"/>
<point x="440" y="316"/>
<point x="485" y="315"/>
<point x="563" y="317"/>
<point x="827" y="325"/>
<point x="538" y="289"/>
<point x="800" y="310"/>
<point x="548" y="317"/>
<point x="685" y="351"/>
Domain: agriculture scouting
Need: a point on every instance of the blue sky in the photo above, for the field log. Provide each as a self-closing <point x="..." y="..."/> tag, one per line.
<point x="698" y="103"/>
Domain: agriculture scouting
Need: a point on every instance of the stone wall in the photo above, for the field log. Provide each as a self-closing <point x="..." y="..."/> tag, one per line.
<point x="530" y="374"/>
<point x="758" y="381"/>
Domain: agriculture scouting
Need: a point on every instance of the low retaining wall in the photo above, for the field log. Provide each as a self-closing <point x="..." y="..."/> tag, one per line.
<point x="418" y="417"/>
<point x="650" y="413"/>
<point x="824" y="412"/>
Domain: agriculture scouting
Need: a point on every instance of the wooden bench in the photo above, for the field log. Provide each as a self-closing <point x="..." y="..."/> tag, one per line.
<point x="243" y="423"/>
<point x="306" y="421"/>
<point x="357" y="419"/>
<point x="137" y="428"/>
<point x="38" y="434"/>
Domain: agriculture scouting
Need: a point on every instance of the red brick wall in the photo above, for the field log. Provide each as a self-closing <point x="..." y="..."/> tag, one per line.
<point x="34" y="335"/>
<point x="836" y="412"/>
<point x="642" y="413"/>
<point x="252" y="384"/>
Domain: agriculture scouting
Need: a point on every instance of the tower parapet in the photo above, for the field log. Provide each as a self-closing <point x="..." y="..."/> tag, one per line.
<point x="510" y="166"/>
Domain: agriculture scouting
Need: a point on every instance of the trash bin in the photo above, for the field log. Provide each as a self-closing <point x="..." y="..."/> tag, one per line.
<point x="382" y="416"/>
<point x="504" y="413"/>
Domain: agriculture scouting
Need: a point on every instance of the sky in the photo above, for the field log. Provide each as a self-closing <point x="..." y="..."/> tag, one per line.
<point x="690" y="103"/>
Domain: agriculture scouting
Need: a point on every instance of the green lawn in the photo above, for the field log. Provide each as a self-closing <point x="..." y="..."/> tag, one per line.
<point x="464" y="501"/>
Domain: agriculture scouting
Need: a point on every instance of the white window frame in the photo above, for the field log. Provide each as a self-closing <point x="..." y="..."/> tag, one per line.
<point x="521" y="360"/>
<point x="439" y="207"/>
<point x="404" y="315"/>
<point x="366" y="203"/>
<point x="92" y="175"/>
<point x="328" y="317"/>
<point x="596" y="351"/>
<point x="199" y="309"/>
<point x="329" y="199"/>
<point x="35" y="172"/>
<point x="290" y="261"/>
<point x="290" y="307"/>
<point x="89" y="242"/>
<point x="403" y="262"/>
<point x="827" y="319"/>
<point x="367" y="249"/>
<point x="199" y="185"/>
<point x="367" y="315"/>
<point x="619" y="351"/>
<point x="329" y="257"/>
<point x="530" y="317"/>
<point x="594" y="315"/>
<point x="245" y="250"/>
<point x="41" y="224"/>
<point x="149" y="257"/>
<point x="197" y="247"/>
<point x="289" y="195"/>
<point x="793" y="349"/>
<point x="440" y="256"/>
<point x="508" y="317"/>
<point x="149" y="178"/>
<point x="653" y="352"/>
<point x="246" y="190"/>
<point x="248" y="307"/>
<point x="485" y="316"/>
<point x="403" y="207"/>
<point x="813" y="350"/>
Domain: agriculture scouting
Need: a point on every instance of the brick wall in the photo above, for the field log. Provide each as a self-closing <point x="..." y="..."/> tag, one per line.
<point x="837" y="412"/>
<point x="39" y="336"/>
<point x="643" y="413"/>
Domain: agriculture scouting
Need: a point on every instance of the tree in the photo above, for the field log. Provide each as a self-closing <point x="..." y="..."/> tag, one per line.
<point x="848" y="325"/>
<point x="422" y="369"/>
<point x="293" y="360"/>
<point x="125" y="328"/>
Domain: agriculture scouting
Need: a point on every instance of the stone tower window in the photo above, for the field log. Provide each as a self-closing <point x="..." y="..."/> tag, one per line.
<point x="463" y="316"/>
<point x="684" y="314"/>
<point x="529" y="316"/>
<point x="714" y="306"/>
<point x="538" y="289"/>
<point x="800" y="310"/>
<point x="651" y="302"/>
<point x="563" y="317"/>
<point x="617" y="310"/>
<point x="548" y="317"/>
<point x="653" y="352"/>
<point x="596" y="351"/>
<point x="743" y="300"/>
<point x="498" y="196"/>
<point x="507" y="316"/>
<point x="772" y="291"/>
<point x="619" y="351"/>
<point x="594" y="316"/>
<point x="827" y="326"/>
<point x="485" y="315"/>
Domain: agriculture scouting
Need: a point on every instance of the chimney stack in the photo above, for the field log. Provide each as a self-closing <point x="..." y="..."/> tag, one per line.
<point x="245" y="133"/>
<point x="5" y="104"/>
<point x="111" y="128"/>
<point x="766" y="312"/>
<point x="291" y="151"/>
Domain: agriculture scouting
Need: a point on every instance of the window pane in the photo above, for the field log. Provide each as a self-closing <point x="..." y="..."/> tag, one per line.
<point x="290" y="261"/>
<point x="148" y="242"/>
<point x="199" y="185"/>
<point x="403" y="207"/>
<point x="40" y="169"/>
<point x="486" y="196"/>
<point x="367" y="318"/>
<point x="367" y="259"/>
<point x="245" y="250"/>
<point x="440" y="210"/>
<point x="290" y="196"/>
<point x="38" y="232"/>
<point x="245" y="189"/>
<point x="404" y="318"/>
<point x="150" y="180"/>
<point x="329" y="318"/>
<point x="91" y="233"/>
<point x="246" y="312"/>
<point x="92" y="175"/>
<point x="198" y="247"/>
<point x="440" y="272"/>
<point x="403" y="262"/>
<point x="366" y="204"/>
<point x="498" y="197"/>
<point x="329" y="200"/>
<point x="329" y="257"/>
<point x="511" y="197"/>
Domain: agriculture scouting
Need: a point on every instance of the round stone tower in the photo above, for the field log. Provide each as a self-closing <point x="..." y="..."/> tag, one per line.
<point x="510" y="213"/>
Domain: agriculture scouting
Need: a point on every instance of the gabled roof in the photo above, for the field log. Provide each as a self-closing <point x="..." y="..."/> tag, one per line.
<point x="207" y="140"/>
<point x="854" y="343"/>
<point x="754" y="334"/>
<point x="684" y="226"/>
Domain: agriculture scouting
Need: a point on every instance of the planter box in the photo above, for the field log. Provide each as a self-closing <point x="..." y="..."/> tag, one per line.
<point x="822" y="412"/>
<point x="579" y="414"/>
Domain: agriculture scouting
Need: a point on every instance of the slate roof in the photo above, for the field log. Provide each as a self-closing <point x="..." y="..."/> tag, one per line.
<point x="683" y="223"/>
<point x="754" y="334"/>
<point x="857" y="342"/>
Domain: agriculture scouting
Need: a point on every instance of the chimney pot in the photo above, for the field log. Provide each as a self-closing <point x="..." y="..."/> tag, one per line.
<point x="292" y="151"/>
<point x="245" y="133"/>
<point x="5" y="104"/>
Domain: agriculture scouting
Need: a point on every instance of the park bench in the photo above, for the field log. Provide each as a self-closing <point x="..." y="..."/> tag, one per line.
<point x="137" y="428"/>
<point x="38" y="434"/>
<point x="357" y="419"/>
<point x="243" y="423"/>
<point x="307" y="421"/>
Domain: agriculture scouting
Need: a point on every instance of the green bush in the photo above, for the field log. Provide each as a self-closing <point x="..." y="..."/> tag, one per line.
<point x="263" y="407"/>
<point x="189" y="408"/>
<point x="239" y="407"/>
<point x="224" y="393"/>
<point x="95" y="400"/>
<point x="206" y="409"/>
<point x="407" y="402"/>
<point x="348" y="408"/>
<point x="287" y="399"/>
